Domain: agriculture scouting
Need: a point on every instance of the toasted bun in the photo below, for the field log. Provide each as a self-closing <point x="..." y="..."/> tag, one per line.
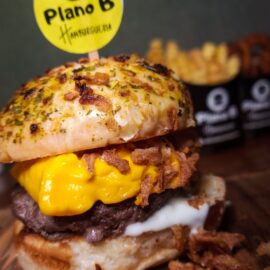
<point x="85" y="105"/>
<point x="120" y="253"/>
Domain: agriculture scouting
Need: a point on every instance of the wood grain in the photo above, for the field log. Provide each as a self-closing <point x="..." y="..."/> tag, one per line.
<point x="246" y="169"/>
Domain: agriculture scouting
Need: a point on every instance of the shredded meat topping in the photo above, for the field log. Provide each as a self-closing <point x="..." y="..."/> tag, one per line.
<point x="160" y="153"/>
<point x="181" y="236"/>
<point x="174" y="166"/>
<point x="90" y="160"/>
<point x="214" y="251"/>
<point x="187" y="155"/>
<point x="219" y="241"/>
<point x="148" y="156"/>
<point x="142" y="198"/>
<point x="169" y="172"/>
<point x="111" y="157"/>
<point x="221" y="262"/>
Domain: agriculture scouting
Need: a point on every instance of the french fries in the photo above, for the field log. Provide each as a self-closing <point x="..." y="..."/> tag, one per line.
<point x="156" y="53"/>
<point x="210" y="64"/>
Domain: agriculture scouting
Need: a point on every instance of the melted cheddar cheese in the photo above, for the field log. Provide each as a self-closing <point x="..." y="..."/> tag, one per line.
<point x="63" y="186"/>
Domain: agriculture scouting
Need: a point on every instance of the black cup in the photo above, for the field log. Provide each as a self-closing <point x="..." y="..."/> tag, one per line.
<point x="255" y="104"/>
<point x="217" y="113"/>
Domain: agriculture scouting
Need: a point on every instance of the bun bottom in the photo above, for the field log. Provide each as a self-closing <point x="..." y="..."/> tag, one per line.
<point x="121" y="253"/>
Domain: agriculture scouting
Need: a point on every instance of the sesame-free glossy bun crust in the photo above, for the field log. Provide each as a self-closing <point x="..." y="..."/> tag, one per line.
<point x="86" y="105"/>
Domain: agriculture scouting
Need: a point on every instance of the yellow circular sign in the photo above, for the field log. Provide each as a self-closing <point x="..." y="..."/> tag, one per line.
<point x="79" y="26"/>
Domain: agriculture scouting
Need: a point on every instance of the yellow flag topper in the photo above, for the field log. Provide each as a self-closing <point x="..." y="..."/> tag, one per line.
<point x="79" y="26"/>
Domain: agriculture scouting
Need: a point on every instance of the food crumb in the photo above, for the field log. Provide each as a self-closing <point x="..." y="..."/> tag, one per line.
<point x="264" y="249"/>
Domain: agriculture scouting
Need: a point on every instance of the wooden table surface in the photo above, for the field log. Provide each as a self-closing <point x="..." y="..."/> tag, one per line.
<point x="246" y="168"/>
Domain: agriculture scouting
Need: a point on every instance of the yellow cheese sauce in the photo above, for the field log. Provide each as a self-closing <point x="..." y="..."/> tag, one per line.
<point x="63" y="186"/>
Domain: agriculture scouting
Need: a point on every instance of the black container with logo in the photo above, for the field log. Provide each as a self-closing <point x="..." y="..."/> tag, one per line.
<point x="255" y="104"/>
<point x="217" y="113"/>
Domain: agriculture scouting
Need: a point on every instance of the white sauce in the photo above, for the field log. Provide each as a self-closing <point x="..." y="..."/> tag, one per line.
<point x="175" y="212"/>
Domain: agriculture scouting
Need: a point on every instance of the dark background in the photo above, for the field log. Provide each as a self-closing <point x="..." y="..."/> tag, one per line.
<point x="25" y="53"/>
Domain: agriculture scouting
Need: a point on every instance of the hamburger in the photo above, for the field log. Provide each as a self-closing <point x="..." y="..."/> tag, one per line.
<point x="105" y="158"/>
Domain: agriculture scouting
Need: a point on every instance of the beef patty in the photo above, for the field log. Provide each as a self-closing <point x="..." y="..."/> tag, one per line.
<point x="100" y="222"/>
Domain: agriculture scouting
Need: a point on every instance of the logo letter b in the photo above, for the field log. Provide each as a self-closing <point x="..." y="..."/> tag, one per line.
<point x="106" y="5"/>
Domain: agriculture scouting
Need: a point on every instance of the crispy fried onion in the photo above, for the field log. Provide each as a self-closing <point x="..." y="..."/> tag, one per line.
<point x="174" y="166"/>
<point x="160" y="154"/>
<point x="214" y="251"/>
<point x="111" y="157"/>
